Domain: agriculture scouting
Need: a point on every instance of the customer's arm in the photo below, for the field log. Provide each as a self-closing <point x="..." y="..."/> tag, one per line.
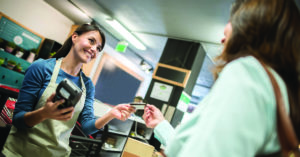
<point x="164" y="132"/>
<point x="153" y="117"/>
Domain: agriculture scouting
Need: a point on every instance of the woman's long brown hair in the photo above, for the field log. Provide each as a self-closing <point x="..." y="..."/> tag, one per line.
<point x="270" y="31"/>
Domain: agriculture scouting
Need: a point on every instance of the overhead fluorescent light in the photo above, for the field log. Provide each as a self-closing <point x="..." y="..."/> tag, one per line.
<point x="126" y="34"/>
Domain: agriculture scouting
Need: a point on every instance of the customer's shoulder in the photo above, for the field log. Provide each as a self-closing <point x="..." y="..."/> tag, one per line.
<point x="245" y="61"/>
<point x="244" y="69"/>
<point x="247" y="64"/>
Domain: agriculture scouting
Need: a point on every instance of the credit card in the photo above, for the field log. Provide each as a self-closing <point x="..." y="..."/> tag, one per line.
<point x="138" y="105"/>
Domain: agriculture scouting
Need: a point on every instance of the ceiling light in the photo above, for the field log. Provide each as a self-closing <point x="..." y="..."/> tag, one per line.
<point x="126" y="34"/>
<point x="145" y="66"/>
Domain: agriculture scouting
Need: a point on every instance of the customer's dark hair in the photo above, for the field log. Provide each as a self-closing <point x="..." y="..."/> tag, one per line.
<point x="269" y="30"/>
<point x="64" y="50"/>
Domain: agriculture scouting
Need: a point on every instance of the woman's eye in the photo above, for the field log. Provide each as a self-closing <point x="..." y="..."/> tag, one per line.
<point x="92" y="41"/>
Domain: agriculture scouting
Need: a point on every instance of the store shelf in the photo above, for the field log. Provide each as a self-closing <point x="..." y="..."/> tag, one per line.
<point x="114" y="143"/>
<point x="110" y="154"/>
<point x="24" y="63"/>
<point x="11" y="78"/>
<point x="120" y="127"/>
<point x="140" y="131"/>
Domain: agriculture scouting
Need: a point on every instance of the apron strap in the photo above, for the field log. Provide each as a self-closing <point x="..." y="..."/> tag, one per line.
<point x="82" y="82"/>
<point x="56" y="70"/>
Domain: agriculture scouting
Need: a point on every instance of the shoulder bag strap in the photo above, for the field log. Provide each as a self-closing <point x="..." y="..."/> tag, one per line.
<point x="286" y="134"/>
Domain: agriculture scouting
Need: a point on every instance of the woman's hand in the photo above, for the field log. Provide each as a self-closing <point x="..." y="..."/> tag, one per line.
<point x="122" y="111"/>
<point x="50" y="110"/>
<point x="152" y="116"/>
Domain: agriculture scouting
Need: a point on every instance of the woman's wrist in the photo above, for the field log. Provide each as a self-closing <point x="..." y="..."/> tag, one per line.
<point x="42" y="113"/>
<point x="110" y="115"/>
<point x="100" y="122"/>
<point x="34" y="117"/>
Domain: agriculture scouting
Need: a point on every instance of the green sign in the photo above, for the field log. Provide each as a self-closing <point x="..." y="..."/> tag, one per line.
<point x="13" y="32"/>
<point x="183" y="102"/>
<point x="185" y="98"/>
<point x="121" y="46"/>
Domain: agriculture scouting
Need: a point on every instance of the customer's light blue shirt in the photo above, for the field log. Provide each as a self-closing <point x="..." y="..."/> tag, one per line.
<point x="236" y="119"/>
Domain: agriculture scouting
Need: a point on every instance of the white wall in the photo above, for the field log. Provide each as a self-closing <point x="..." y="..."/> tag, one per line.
<point x="39" y="17"/>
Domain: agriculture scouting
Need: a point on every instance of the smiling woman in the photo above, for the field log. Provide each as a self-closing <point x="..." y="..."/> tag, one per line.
<point x="81" y="30"/>
<point x="81" y="47"/>
<point x="86" y="46"/>
<point x="40" y="127"/>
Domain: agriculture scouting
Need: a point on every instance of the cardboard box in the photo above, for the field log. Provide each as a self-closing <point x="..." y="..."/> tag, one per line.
<point x="135" y="148"/>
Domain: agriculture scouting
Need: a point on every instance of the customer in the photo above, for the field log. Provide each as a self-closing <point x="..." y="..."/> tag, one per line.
<point x="40" y="129"/>
<point x="238" y="117"/>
